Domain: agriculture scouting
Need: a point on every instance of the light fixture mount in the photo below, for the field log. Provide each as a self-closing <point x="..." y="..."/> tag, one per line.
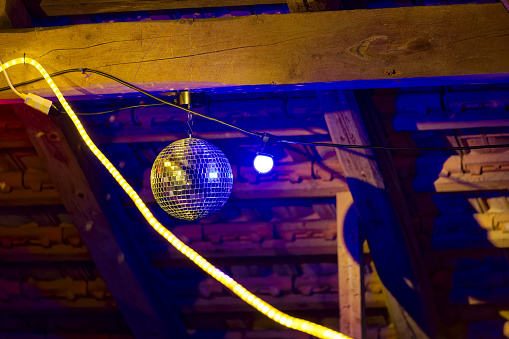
<point x="263" y="161"/>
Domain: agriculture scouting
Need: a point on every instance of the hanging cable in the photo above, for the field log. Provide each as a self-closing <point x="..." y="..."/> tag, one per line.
<point x="254" y="134"/>
<point x="118" y="109"/>
<point x="394" y="148"/>
<point x="28" y="82"/>
<point x="263" y="307"/>
<point x="88" y="70"/>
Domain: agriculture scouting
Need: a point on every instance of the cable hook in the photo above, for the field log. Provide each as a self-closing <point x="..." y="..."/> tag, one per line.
<point x="190" y="124"/>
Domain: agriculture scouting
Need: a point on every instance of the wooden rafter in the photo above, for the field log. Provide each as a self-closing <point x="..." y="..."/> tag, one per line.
<point x="391" y="241"/>
<point x="116" y="259"/>
<point x="347" y="49"/>
<point x="70" y="7"/>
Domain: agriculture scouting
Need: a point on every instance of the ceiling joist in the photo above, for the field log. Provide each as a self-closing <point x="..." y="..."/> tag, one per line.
<point x="347" y="49"/>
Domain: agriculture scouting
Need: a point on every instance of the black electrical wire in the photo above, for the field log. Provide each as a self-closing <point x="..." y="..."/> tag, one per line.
<point x="85" y="70"/>
<point x="395" y="148"/>
<point x="106" y="75"/>
<point x="118" y="109"/>
<point x="258" y="135"/>
<point x="28" y="82"/>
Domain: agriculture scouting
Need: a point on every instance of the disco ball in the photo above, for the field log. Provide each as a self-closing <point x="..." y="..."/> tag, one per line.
<point x="191" y="179"/>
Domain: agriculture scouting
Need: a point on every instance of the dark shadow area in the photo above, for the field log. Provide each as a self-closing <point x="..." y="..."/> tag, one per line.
<point x="456" y="200"/>
<point x="353" y="235"/>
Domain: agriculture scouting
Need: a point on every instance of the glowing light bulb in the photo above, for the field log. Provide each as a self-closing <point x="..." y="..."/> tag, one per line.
<point x="263" y="163"/>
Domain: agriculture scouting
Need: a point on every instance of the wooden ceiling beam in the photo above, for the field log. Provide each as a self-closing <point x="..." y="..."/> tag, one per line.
<point x="346" y="49"/>
<point x="84" y="7"/>
<point x="390" y="238"/>
<point x="117" y="259"/>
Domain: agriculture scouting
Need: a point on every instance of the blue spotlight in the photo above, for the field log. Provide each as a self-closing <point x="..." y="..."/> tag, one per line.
<point x="263" y="162"/>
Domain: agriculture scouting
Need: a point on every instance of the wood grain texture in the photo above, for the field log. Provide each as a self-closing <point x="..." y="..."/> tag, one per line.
<point x="143" y="313"/>
<point x="350" y="280"/>
<point x="70" y="7"/>
<point x="392" y="250"/>
<point x="349" y="49"/>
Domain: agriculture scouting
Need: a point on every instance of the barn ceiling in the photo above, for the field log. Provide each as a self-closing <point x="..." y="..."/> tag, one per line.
<point x="71" y="240"/>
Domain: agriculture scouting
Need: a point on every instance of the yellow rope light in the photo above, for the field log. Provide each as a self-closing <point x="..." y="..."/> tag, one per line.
<point x="263" y="307"/>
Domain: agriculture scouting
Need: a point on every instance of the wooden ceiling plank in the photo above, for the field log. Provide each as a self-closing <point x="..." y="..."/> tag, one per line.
<point x="435" y="121"/>
<point x="393" y="252"/>
<point x="70" y="7"/>
<point x="232" y="250"/>
<point x="112" y="253"/>
<point x="171" y="132"/>
<point x="26" y="197"/>
<point x="348" y="49"/>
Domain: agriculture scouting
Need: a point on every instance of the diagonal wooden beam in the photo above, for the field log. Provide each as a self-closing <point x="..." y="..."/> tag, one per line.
<point x="132" y="284"/>
<point x="392" y="47"/>
<point x="390" y="238"/>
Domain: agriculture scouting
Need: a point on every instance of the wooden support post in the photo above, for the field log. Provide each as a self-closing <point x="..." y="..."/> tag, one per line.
<point x="130" y="281"/>
<point x="350" y="278"/>
<point x="13" y="14"/>
<point x="392" y="243"/>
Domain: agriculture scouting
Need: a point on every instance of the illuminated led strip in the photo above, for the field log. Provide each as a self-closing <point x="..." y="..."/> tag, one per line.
<point x="271" y="312"/>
